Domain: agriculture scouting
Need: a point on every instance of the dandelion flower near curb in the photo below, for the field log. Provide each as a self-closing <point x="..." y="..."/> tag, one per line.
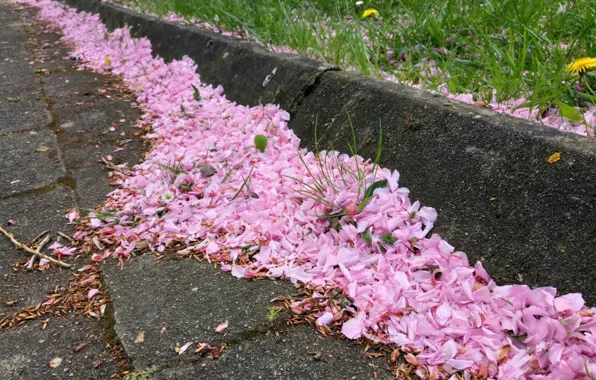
<point x="167" y="197"/>
<point x="370" y="12"/>
<point x="581" y="65"/>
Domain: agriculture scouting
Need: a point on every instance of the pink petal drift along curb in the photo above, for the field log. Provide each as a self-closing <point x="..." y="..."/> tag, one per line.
<point x="206" y="185"/>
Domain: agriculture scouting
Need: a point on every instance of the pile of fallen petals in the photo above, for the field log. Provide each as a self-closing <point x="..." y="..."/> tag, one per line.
<point x="205" y="187"/>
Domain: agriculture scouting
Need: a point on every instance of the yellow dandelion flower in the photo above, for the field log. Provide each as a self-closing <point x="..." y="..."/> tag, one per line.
<point x="108" y="60"/>
<point x="370" y="12"/>
<point x="581" y="65"/>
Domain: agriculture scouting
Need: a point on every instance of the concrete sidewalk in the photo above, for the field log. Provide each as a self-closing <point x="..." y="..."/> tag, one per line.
<point x="55" y="123"/>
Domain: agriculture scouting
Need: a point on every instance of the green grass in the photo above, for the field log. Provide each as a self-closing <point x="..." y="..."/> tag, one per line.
<point x="512" y="46"/>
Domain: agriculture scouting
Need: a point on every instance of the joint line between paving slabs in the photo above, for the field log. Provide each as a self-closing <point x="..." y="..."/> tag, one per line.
<point x="68" y="179"/>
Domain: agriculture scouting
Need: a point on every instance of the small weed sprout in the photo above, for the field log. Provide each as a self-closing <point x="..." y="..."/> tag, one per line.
<point x="335" y="172"/>
<point x="273" y="313"/>
<point x="141" y="375"/>
<point x="244" y="184"/>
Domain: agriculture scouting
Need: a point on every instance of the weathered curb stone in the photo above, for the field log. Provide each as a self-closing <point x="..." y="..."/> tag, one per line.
<point x="498" y="198"/>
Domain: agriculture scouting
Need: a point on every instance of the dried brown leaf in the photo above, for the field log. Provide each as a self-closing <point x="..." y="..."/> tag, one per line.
<point x="55" y="363"/>
<point x="395" y="355"/>
<point x="80" y="347"/>
<point x="140" y="337"/>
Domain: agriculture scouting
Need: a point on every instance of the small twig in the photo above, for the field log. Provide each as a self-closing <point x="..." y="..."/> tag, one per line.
<point x="45" y="241"/>
<point x="39" y="236"/>
<point x="97" y="243"/>
<point x="33" y="251"/>
<point x="31" y="262"/>
<point x="40" y="246"/>
<point x="111" y="166"/>
<point x="71" y="240"/>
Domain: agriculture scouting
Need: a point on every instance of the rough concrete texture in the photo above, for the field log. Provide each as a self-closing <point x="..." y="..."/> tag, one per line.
<point x="76" y="88"/>
<point x="86" y="125"/>
<point x="296" y="353"/>
<point x="188" y="300"/>
<point x="498" y="198"/>
<point x="31" y="214"/>
<point x="239" y="66"/>
<point x="26" y="352"/>
<point x="46" y="170"/>
<point x="30" y="161"/>
<point x="22" y="108"/>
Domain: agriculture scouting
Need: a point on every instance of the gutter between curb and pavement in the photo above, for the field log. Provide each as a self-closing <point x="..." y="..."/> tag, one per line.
<point x="487" y="174"/>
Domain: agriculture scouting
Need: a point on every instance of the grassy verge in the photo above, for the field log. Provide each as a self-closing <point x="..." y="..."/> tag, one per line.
<point x="492" y="49"/>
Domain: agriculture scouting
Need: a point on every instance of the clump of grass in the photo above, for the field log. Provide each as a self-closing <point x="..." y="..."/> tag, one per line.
<point x="506" y="48"/>
<point x="335" y="173"/>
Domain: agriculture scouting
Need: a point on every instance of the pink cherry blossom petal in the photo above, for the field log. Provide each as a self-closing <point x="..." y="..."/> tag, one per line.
<point x="221" y="327"/>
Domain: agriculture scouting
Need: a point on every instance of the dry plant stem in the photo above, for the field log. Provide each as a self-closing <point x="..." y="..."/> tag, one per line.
<point x="39" y="236"/>
<point x="31" y="262"/>
<point x="40" y="246"/>
<point x="33" y="251"/>
<point x="65" y="236"/>
<point x="45" y="241"/>
<point x="111" y="166"/>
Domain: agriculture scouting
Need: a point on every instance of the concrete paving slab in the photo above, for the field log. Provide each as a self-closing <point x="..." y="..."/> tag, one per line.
<point x="26" y="352"/>
<point x="75" y="88"/>
<point x="32" y="214"/>
<point x="51" y="63"/>
<point x="92" y="185"/>
<point x="24" y="116"/>
<point x="91" y="177"/>
<point x="13" y="33"/>
<point x="16" y="72"/>
<point x="187" y="298"/>
<point x="22" y="106"/>
<point x="84" y="125"/>
<point x="131" y="153"/>
<point x="6" y="17"/>
<point x="29" y="162"/>
<point x="25" y="92"/>
<point x="287" y="357"/>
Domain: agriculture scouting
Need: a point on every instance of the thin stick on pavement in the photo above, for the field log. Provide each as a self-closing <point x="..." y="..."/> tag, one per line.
<point x="33" y="251"/>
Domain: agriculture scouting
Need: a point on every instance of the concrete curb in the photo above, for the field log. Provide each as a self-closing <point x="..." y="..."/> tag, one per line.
<point x="498" y="198"/>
